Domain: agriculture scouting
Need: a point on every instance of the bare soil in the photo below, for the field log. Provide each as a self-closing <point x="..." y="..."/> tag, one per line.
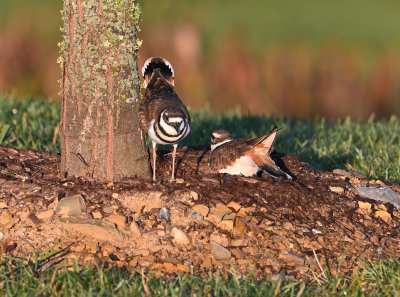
<point x="278" y="226"/>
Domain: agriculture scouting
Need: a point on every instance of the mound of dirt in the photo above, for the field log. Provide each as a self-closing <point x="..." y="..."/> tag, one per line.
<point x="202" y="222"/>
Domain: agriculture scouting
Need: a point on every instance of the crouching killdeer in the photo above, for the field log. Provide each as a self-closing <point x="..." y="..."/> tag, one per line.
<point x="246" y="156"/>
<point x="162" y="114"/>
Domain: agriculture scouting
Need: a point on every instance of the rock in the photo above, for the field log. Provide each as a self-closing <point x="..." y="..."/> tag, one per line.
<point x="236" y="206"/>
<point x="34" y="219"/>
<point x="143" y="201"/>
<point x="44" y="215"/>
<point x="3" y="204"/>
<point x="291" y="258"/>
<point x="78" y="248"/>
<point x="164" y="214"/>
<point x="364" y="205"/>
<point x="384" y="215"/>
<point x="199" y="246"/>
<point x="338" y="190"/>
<point x="316" y="231"/>
<point x="226" y="224"/>
<point x="114" y="195"/>
<point x="98" y="229"/>
<point x="179" y="180"/>
<point x="72" y="205"/>
<point x="197" y="215"/>
<point x="180" y="237"/>
<point x="108" y="209"/>
<point x="221" y="211"/>
<point x="117" y="219"/>
<point x="1" y="235"/>
<point x="384" y="195"/>
<point x="5" y="217"/>
<point x="201" y="209"/>
<point x="194" y="195"/>
<point x="219" y="252"/>
<point x="348" y="173"/>
<point x="135" y="229"/>
<point x="240" y="224"/>
<point x="97" y="215"/>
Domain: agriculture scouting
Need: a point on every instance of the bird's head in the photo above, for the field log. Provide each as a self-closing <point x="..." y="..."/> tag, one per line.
<point x="219" y="137"/>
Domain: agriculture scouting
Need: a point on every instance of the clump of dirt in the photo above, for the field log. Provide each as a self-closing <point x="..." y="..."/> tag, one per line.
<point x="202" y="222"/>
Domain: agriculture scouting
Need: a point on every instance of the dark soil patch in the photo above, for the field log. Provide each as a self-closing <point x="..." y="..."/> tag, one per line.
<point x="279" y="226"/>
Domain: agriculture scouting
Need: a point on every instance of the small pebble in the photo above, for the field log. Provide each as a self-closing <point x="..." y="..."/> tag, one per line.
<point x="164" y="213"/>
<point x="197" y="215"/>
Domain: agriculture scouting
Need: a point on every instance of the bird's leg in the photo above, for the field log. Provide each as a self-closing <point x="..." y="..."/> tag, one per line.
<point x="173" y="162"/>
<point x="154" y="161"/>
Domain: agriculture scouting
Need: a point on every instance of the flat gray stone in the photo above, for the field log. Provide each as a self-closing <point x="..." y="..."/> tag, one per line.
<point x="384" y="194"/>
<point x="73" y="205"/>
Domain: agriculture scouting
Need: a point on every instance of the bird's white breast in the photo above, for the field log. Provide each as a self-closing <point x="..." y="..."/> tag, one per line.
<point x="243" y="166"/>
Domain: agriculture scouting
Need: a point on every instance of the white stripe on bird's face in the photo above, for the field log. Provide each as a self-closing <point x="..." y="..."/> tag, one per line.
<point x="214" y="146"/>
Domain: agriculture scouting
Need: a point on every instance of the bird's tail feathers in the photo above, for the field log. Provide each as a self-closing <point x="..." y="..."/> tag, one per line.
<point x="164" y="67"/>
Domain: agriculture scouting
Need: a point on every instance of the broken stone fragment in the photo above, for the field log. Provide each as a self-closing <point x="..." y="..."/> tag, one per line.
<point x="197" y="215"/>
<point x="1" y="235"/>
<point x="97" y="215"/>
<point x="164" y="214"/>
<point x="291" y="258"/>
<point x="219" y="252"/>
<point x="201" y="209"/>
<point x="5" y="217"/>
<point x="364" y="205"/>
<point x="73" y="205"/>
<point x="180" y="237"/>
<point x="194" y="195"/>
<point x="98" y="229"/>
<point x="44" y="215"/>
<point x="236" y="206"/>
<point x="338" y="190"/>
<point x="34" y="219"/>
<point x="384" y="194"/>
<point x="117" y="219"/>
<point x="135" y="229"/>
<point x="3" y="204"/>
<point x="384" y="215"/>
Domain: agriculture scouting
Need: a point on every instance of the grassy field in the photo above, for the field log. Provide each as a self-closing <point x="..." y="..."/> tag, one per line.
<point x="260" y="22"/>
<point x="371" y="147"/>
<point x="19" y="279"/>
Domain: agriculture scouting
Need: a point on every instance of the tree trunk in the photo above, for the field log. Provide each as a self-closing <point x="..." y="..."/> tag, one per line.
<point x="100" y="90"/>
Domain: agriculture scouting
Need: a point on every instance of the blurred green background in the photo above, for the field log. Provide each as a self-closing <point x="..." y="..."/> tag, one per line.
<point x="285" y="58"/>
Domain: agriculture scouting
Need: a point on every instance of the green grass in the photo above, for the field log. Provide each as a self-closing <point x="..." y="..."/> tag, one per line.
<point x="371" y="148"/>
<point x="19" y="278"/>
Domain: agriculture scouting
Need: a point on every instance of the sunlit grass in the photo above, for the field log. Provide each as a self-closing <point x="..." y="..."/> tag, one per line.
<point x="23" y="278"/>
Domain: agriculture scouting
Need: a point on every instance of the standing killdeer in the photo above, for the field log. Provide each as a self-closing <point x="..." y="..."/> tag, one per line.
<point x="246" y="156"/>
<point x="162" y="114"/>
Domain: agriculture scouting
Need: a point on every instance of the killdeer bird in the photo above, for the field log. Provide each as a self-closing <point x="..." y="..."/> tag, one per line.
<point x="246" y="156"/>
<point x="162" y="114"/>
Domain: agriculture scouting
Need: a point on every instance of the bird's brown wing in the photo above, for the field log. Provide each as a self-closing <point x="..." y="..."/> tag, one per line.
<point x="225" y="155"/>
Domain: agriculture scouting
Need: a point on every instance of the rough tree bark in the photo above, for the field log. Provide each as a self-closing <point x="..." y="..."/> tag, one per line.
<point x="100" y="90"/>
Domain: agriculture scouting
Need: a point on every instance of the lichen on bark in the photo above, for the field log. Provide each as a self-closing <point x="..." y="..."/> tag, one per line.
<point x="100" y="134"/>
